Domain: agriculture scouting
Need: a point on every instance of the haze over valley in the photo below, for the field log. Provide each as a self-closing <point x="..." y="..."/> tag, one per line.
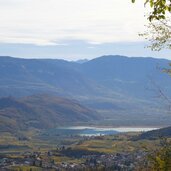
<point x="119" y="90"/>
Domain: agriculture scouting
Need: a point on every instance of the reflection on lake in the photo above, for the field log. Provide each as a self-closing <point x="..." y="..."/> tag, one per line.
<point x="96" y="131"/>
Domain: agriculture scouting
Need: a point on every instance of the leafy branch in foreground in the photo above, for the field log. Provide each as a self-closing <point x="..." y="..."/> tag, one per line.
<point x="159" y="8"/>
<point x="159" y="28"/>
<point x="159" y="34"/>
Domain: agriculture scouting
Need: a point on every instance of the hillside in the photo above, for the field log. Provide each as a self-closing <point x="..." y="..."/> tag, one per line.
<point x="155" y="134"/>
<point x="41" y="111"/>
<point x="127" y="75"/>
<point x="21" y="77"/>
<point x="121" y="89"/>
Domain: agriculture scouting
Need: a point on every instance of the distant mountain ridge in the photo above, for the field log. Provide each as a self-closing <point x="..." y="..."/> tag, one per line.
<point x="60" y="76"/>
<point x="81" y="61"/>
<point x="120" y="88"/>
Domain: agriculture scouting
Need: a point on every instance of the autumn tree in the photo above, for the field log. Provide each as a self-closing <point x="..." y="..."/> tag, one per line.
<point x="158" y="30"/>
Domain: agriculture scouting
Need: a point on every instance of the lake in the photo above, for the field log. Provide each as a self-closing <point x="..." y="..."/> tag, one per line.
<point x="96" y="131"/>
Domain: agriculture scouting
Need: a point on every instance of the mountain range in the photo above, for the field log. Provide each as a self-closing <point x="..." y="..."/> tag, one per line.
<point x="123" y="90"/>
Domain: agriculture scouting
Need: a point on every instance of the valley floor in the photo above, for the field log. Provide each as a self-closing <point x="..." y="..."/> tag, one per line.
<point x="41" y="152"/>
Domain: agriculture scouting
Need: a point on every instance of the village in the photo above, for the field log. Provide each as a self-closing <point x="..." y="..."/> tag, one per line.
<point x="45" y="161"/>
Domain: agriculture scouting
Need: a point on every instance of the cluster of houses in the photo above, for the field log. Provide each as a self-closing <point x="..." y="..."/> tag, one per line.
<point x="118" y="162"/>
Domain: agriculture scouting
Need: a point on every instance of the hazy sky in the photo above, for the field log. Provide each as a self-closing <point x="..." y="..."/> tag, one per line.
<point x="72" y="29"/>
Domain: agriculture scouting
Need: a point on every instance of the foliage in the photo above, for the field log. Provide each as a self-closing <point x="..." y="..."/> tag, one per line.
<point x="161" y="158"/>
<point x="159" y="8"/>
<point x="159" y="34"/>
<point x="159" y="28"/>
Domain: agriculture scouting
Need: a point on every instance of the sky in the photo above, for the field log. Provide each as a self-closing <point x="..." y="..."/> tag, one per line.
<point x="73" y="29"/>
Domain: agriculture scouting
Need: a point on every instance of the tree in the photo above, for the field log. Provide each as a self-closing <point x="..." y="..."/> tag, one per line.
<point x="159" y="28"/>
<point x="159" y="8"/>
<point x="160" y="159"/>
<point x="159" y="34"/>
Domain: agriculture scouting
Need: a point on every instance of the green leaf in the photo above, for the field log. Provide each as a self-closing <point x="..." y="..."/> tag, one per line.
<point x="151" y="3"/>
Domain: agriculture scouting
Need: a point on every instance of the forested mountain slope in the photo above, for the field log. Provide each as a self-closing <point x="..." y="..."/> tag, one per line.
<point x="121" y="89"/>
